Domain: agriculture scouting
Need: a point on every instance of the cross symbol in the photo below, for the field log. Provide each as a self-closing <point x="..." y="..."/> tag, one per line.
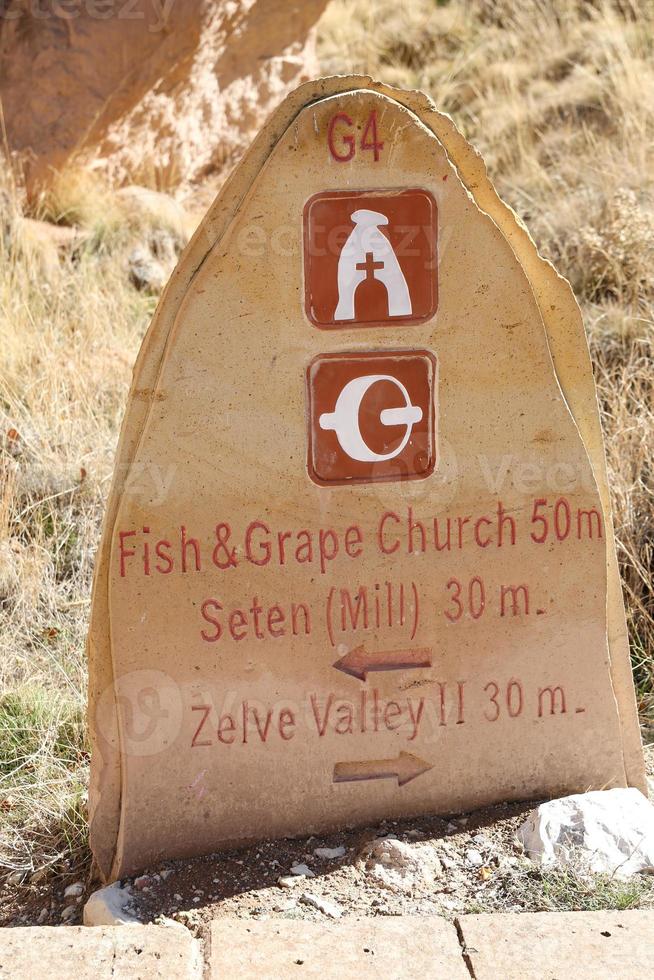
<point x="369" y="266"/>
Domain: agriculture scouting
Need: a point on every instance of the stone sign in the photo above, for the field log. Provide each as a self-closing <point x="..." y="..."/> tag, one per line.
<point x="358" y="557"/>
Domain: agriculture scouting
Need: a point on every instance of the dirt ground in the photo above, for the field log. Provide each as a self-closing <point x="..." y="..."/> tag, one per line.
<point x="244" y="883"/>
<point x="467" y="863"/>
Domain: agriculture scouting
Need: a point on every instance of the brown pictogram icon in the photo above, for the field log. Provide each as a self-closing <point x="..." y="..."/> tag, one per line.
<point x="371" y="416"/>
<point x="370" y="257"/>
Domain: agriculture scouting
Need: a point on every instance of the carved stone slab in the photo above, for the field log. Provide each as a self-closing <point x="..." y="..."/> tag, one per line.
<point x="358" y="558"/>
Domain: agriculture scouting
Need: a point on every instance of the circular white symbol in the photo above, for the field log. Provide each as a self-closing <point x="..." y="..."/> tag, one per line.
<point x="344" y="420"/>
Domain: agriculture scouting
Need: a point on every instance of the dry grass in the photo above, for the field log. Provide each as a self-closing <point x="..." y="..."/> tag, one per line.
<point x="530" y="889"/>
<point x="68" y="336"/>
<point x="558" y="96"/>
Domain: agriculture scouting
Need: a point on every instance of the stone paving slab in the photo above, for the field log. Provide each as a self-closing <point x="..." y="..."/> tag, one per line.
<point x="362" y="948"/>
<point x="560" y="945"/>
<point x="119" y="953"/>
<point x="526" y="946"/>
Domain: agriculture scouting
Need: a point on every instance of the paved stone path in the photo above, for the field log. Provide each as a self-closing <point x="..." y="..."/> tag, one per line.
<point x="531" y="946"/>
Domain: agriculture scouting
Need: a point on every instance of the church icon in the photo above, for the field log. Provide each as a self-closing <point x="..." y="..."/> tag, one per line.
<point x="370" y="258"/>
<point x="369" y="253"/>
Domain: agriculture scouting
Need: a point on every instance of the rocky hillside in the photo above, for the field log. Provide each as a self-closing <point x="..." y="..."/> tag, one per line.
<point x="161" y="93"/>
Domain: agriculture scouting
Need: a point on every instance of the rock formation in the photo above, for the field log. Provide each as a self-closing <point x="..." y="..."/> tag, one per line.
<point x="153" y="91"/>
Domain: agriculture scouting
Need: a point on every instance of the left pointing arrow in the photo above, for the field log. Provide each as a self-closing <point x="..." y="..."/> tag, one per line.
<point x="405" y="768"/>
<point x="359" y="663"/>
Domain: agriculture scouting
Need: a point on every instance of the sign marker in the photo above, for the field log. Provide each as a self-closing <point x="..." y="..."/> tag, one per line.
<point x="358" y="663"/>
<point x="405" y="768"/>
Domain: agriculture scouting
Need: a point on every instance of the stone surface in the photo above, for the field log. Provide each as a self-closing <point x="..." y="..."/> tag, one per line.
<point x="329" y="853"/>
<point x="401" y="866"/>
<point x="302" y="870"/>
<point x="332" y="719"/>
<point x="109" y="907"/>
<point x="330" y="909"/>
<point x="549" y="946"/>
<point x="144" y="206"/>
<point x="191" y="84"/>
<point x="146" y="272"/>
<point x="76" y="890"/>
<point x="401" y="948"/>
<point x="288" y="881"/>
<point x="610" y="831"/>
<point x="144" y="952"/>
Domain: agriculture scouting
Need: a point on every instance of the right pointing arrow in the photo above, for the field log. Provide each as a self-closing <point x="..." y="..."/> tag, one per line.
<point x="405" y="768"/>
<point x="358" y="663"/>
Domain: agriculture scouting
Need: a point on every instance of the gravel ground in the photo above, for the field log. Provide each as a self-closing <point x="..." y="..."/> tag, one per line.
<point x="430" y="865"/>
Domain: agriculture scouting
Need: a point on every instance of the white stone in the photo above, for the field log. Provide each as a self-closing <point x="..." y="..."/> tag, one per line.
<point x="283" y="906"/>
<point x="74" y="891"/>
<point x="146" y="272"/>
<point x="474" y="858"/>
<point x="400" y="866"/>
<point x="108" y="907"/>
<point x="302" y="870"/>
<point x="164" y="920"/>
<point x="322" y="904"/>
<point x="609" y="831"/>
<point x="288" y="881"/>
<point x="329" y="853"/>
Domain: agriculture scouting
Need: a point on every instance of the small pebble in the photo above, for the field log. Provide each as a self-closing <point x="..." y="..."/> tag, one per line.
<point x="74" y="891"/>
<point x="302" y="870"/>
<point x="322" y="904"/>
<point x="287" y="881"/>
<point x="329" y="853"/>
<point x="474" y="858"/>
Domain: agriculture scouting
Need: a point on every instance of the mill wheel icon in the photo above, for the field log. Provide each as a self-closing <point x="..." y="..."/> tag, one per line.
<point x="344" y="420"/>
